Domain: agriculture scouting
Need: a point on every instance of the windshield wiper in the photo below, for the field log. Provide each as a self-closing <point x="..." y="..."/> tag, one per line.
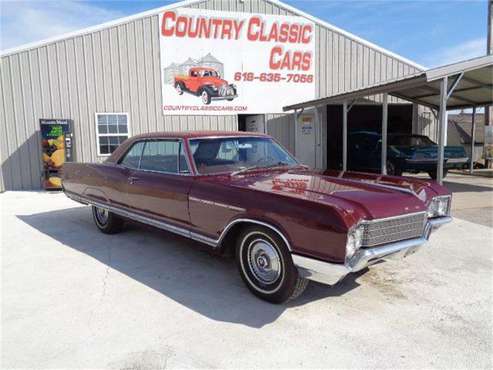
<point x="245" y="169"/>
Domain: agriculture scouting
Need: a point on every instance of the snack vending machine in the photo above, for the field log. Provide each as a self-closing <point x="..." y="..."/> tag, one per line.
<point x="56" y="147"/>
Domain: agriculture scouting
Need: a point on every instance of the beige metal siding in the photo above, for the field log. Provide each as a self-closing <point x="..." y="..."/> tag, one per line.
<point x="117" y="69"/>
<point x="281" y="126"/>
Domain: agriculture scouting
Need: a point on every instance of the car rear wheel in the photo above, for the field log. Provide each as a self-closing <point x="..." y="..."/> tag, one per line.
<point x="106" y="221"/>
<point x="205" y="96"/>
<point x="266" y="266"/>
<point x="179" y="88"/>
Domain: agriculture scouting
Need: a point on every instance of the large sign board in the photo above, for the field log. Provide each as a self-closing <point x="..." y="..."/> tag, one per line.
<point x="217" y="63"/>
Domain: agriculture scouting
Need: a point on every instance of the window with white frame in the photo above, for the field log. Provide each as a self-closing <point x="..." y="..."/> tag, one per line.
<point x="111" y="130"/>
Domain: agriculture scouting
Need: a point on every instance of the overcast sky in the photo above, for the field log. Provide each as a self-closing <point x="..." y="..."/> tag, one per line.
<point x="429" y="32"/>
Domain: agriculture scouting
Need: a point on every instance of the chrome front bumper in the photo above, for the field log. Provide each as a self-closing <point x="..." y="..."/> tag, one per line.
<point x="224" y="97"/>
<point x="331" y="273"/>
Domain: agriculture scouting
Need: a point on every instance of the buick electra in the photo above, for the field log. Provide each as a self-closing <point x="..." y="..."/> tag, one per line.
<point x="243" y="194"/>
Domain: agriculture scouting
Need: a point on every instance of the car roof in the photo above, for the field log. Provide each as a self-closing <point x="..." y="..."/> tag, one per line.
<point x="203" y="69"/>
<point x="373" y="133"/>
<point x="197" y="134"/>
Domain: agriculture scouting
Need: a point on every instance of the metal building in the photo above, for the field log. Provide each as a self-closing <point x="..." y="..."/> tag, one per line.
<point x="114" y="68"/>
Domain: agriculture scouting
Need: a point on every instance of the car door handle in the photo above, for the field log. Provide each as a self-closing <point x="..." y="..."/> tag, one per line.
<point x="132" y="179"/>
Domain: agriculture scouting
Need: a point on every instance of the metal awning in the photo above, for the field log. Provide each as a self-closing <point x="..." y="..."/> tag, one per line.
<point x="467" y="84"/>
<point x="475" y="87"/>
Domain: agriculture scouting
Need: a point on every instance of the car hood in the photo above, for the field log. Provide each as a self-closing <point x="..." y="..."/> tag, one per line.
<point x="356" y="195"/>
<point x="216" y="81"/>
<point x="430" y="151"/>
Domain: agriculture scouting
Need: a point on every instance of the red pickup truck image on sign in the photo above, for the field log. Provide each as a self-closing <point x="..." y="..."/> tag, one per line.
<point x="206" y="83"/>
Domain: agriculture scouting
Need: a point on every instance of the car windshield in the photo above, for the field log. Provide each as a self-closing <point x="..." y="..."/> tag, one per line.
<point x="402" y="140"/>
<point x="238" y="154"/>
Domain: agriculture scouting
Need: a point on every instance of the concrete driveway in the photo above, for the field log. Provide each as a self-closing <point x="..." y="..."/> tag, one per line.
<point x="73" y="297"/>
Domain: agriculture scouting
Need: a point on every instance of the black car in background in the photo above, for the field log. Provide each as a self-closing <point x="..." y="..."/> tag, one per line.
<point x="405" y="153"/>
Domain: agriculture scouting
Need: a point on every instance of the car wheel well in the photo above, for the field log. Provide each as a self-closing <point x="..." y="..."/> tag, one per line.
<point x="228" y="242"/>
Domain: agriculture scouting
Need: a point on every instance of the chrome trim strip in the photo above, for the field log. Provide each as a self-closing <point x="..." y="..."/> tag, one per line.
<point x="224" y="97"/>
<point x="172" y="228"/>
<point x="249" y="220"/>
<point x="393" y="217"/>
<point x="210" y="202"/>
<point x="146" y="220"/>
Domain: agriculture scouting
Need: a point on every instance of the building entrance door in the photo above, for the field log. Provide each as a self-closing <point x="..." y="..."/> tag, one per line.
<point x="305" y="139"/>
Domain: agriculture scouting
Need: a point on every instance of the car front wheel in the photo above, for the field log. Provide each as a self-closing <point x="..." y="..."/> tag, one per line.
<point x="106" y="221"/>
<point x="393" y="170"/>
<point x="206" y="97"/>
<point x="266" y="266"/>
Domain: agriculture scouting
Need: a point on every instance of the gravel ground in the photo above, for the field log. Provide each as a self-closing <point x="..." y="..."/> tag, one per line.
<point x="73" y="297"/>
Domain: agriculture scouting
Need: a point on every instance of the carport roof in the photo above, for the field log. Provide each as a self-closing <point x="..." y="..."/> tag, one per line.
<point x="474" y="88"/>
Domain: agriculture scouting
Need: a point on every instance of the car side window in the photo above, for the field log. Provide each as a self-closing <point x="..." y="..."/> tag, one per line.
<point x="132" y="158"/>
<point x="164" y="156"/>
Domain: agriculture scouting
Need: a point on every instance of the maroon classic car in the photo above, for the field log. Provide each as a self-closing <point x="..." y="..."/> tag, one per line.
<point x="244" y="194"/>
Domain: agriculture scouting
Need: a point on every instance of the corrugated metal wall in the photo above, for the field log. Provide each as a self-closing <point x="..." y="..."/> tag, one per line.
<point x="117" y="69"/>
<point x="281" y="126"/>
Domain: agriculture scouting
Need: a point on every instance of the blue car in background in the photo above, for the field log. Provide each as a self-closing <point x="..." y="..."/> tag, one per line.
<point x="405" y="153"/>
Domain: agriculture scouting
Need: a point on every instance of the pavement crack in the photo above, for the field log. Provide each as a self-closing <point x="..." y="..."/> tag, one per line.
<point x="106" y="274"/>
<point x="104" y="285"/>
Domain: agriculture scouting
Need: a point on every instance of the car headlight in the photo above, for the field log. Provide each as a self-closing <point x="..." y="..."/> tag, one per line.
<point x="439" y="206"/>
<point x="354" y="240"/>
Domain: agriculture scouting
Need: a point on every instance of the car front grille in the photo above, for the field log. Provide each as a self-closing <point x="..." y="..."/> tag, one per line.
<point x="393" y="229"/>
<point x="226" y="91"/>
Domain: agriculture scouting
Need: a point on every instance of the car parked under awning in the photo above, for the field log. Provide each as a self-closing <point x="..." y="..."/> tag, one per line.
<point x="466" y="84"/>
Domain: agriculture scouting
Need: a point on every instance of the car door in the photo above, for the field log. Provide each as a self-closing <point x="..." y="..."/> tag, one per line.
<point x="159" y="187"/>
<point x="116" y="175"/>
<point x="193" y="81"/>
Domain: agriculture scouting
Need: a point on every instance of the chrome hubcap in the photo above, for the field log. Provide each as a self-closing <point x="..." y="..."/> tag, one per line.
<point x="264" y="261"/>
<point x="178" y="89"/>
<point x="102" y="216"/>
<point x="204" y="97"/>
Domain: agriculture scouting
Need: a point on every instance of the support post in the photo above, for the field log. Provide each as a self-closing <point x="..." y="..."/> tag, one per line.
<point x="488" y="110"/>
<point x="344" y="135"/>
<point x="473" y="139"/>
<point x="385" y="110"/>
<point x="442" y="128"/>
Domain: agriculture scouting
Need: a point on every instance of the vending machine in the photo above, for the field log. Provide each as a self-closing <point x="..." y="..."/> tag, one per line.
<point x="56" y="147"/>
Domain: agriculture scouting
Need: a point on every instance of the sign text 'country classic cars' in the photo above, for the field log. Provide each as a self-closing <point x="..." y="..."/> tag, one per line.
<point x="234" y="62"/>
